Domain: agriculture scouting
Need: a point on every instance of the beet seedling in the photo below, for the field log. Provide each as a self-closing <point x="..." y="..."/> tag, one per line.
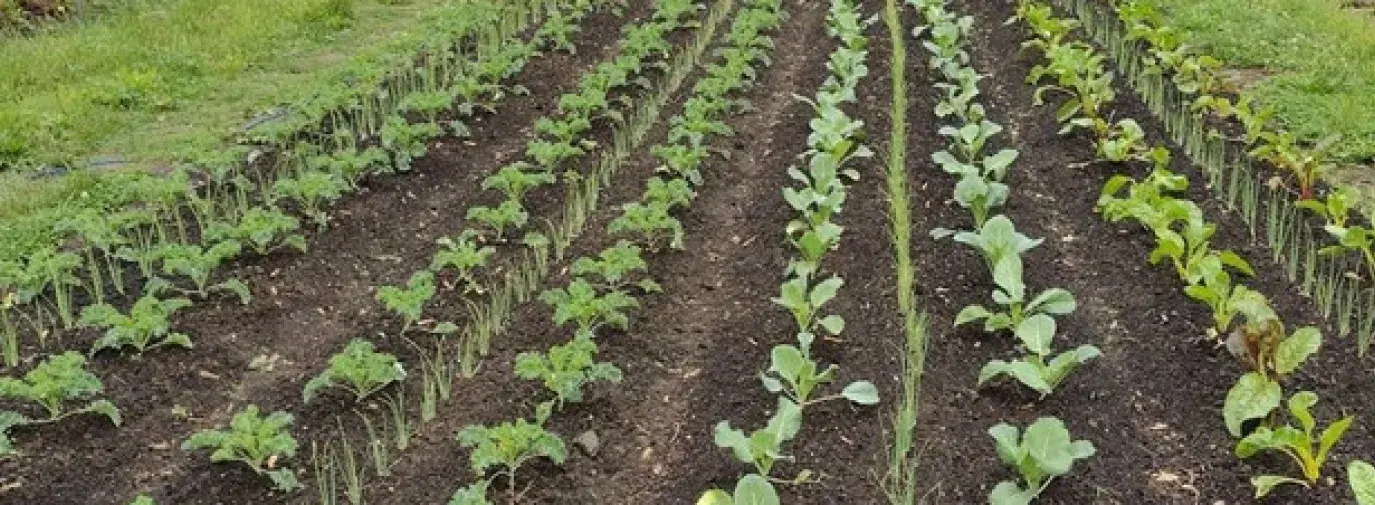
<point x="358" y="369"/>
<point x="1305" y="447"/>
<point x="256" y="441"/>
<point x="147" y="326"/>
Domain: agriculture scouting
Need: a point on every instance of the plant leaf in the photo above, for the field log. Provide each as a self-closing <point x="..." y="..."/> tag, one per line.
<point x="861" y="392"/>
<point x="1266" y="483"/>
<point x="1252" y="397"/>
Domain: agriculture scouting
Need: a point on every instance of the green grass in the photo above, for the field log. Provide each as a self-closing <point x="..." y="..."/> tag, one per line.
<point x="1319" y="60"/>
<point x="162" y="81"/>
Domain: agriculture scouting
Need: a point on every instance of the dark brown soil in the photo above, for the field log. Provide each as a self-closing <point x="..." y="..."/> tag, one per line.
<point x="692" y="355"/>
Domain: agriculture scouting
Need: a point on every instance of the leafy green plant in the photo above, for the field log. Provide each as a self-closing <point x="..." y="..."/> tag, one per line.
<point x="805" y="299"/>
<point x="264" y="230"/>
<point x="764" y="447"/>
<point x="147" y="326"/>
<point x="1040" y="455"/>
<point x="358" y="369"/>
<point x="1361" y="475"/>
<point x="1262" y="344"/>
<point x="616" y="265"/>
<point x="652" y="222"/>
<point x="256" y="441"/>
<point x="566" y="368"/>
<point x="752" y="489"/>
<point x="793" y="373"/>
<point x="505" y="448"/>
<point x="1307" y="448"/>
<point x="313" y="190"/>
<point x="406" y="141"/>
<point x="54" y="385"/>
<point x="1036" y="334"/>
<point x="464" y="256"/>
<point x="509" y="214"/>
<point x="582" y="304"/>
<point x="198" y="263"/>
<point x="408" y="302"/>
<point x="514" y="180"/>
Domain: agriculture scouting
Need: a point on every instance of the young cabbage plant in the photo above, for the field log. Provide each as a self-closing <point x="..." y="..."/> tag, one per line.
<point x="616" y="266"/>
<point x="508" y="215"/>
<point x="804" y="299"/>
<point x="1036" y="334"/>
<point x="1303" y="444"/>
<point x="148" y="325"/>
<point x="408" y="302"/>
<point x="581" y="304"/>
<point x="1040" y="455"/>
<point x="566" y="368"/>
<point x="504" y="448"/>
<point x="969" y="140"/>
<point x="358" y="369"/>
<point x="752" y="489"/>
<point x="764" y="447"/>
<point x="258" y="442"/>
<point x="464" y="256"/>
<point x="792" y="372"/>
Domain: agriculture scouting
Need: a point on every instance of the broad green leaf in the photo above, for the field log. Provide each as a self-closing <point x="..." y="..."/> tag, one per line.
<point x="1026" y="373"/>
<point x="1048" y="443"/>
<point x="861" y="392"/>
<point x="787" y="361"/>
<point x="755" y="490"/>
<point x="970" y="314"/>
<point x="713" y="497"/>
<point x="1252" y="397"/>
<point x="833" y="324"/>
<point x="1331" y="436"/>
<point x="1008" y="441"/>
<point x="1299" y="405"/>
<point x="1036" y="333"/>
<point x="1052" y="301"/>
<point x="727" y="437"/>
<point x="824" y="291"/>
<point x="1266" y="483"/>
<point x="1009" y="493"/>
<point x="1362" y="478"/>
<point x="1293" y="351"/>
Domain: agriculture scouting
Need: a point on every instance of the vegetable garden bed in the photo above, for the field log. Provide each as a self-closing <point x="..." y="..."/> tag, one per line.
<point x="697" y="276"/>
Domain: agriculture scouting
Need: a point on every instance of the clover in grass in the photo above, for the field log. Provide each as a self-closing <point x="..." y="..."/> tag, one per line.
<point x="358" y="369"/>
<point x="147" y="325"/>
<point x="254" y="440"/>
<point x="55" y="385"/>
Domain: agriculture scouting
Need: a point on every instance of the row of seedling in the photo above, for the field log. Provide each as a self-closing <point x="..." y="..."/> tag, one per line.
<point x="1030" y="317"/>
<point x="1184" y="89"/>
<point x="193" y="224"/>
<point x="794" y="374"/>
<point x="603" y="287"/>
<point x="1244" y="320"/>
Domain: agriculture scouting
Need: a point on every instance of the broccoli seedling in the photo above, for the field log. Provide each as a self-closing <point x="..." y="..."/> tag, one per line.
<point x="358" y="369"/>
<point x="256" y="441"/>
<point x="54" y="384"/>
<point x="148" y="325"/>
<point x="566" y="368"/>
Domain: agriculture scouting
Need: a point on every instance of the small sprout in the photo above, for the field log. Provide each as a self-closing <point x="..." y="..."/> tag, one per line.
<point x="506" y="447"/>
<point x="651" y="222"/>
<point x="1305" y="447"/>
<point x="358" y="369"/>
<point x="615" y="265"/>
<point x="566" y="368"/>
<point x="580" y="303"/>
<point x="1040" y="455"/>
<point x="508" y="215"/>
<point x="464" y="255"/>
<point x="256" y="441"/>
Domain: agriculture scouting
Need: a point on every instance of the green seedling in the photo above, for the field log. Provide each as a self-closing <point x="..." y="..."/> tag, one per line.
<point x="566" y="368"/>
<point x="1261" y="344"/>
<point x="792" y="372"/>
<point x="671" y="193"/>
<point x="358" y="369"/>
<point x="408" y="302"/>
<point x="515" y="179"/>
<point x="764" y="447"/>
<point x="805" y="299"/>
<point x="314" y="190"/>
<point x="256" y="441"/>
<point x="616" y="266"/>
<point x="1302" y="444"/>
<point x="752" y="489"/>
<point x="581" y="304"/>
<point x="682" y="161"/>
<point x="263" y="230"/>
<point x="1361" y="475"/>
<point x="407" y="142"/>
<point x="198" y="264"/>
<point x="54" y="385"/>
<point x="147" y="326"/>
<point x="1036" y="333"/>
<point x="1039" y="456"/>
<point x="464" y="256"/>
<point x="548" y="155"/>
<point x="508" y="215"/>
<point x="651" y="222"/>
<point x="504" y="448"/>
